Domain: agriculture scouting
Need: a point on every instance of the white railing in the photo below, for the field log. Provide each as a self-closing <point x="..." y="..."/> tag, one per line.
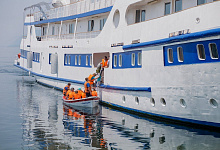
<point x="74" y="9"/>
<point x="80" y="35"/>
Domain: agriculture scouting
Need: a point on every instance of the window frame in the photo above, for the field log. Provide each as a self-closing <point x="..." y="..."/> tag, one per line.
<point x="139" y="58"/>
<point x="210" y="51"/>
<point x="76" y="60"/>
<point x="69" y="59"/>
<point x="201" y="3"/>
<point x="176" y="5"/>
<point x="87" y="60"/>
<point x="79" y="60"/>
<point x="198" y="52"/>
<point x="120" y="60"/>
<point x="133" y="59"/>
<point x="166" y="7"/>
<point x="179" y="55"/>
<point x="115" y="60"/>
<point x="90" y="60"/>
<point x="170" y="55"/>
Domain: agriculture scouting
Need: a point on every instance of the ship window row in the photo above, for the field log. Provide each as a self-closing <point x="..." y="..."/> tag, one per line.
<point x="190" y="53"/>
<point x="36" y="57"/>
<point x="132" y="59"/>
<point x="79" y="60"/>
<point x="91" y="24"/>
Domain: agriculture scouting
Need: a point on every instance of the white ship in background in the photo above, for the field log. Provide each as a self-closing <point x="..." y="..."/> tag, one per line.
<point x="164" y="54"/>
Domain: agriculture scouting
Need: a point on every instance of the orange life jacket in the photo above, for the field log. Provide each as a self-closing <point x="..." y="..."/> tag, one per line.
<point x="64" y="90"/>
<point x="77" y="96"/>
<point x="86" y="88"/>
<point x="94" y="93"/>
<point x="80" y="92"/>
<point x="71" y="95"/>
<point x="90" y="79"/>
<point x="68" y="92"/>
<point x="83" y="95"/>
<point x="104" y="63"/>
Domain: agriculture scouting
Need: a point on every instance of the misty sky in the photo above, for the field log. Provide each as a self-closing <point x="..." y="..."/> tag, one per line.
<point x="11" y="18"/>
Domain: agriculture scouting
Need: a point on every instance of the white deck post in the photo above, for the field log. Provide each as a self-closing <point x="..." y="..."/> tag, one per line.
<point x="60" y="28"/>
<point x="75" y="28"/>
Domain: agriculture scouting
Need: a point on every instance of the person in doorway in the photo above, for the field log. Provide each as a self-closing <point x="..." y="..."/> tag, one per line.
<point x="104" y="64"/>
<point x="87" y="87"/>
<point x="66" y="88"/>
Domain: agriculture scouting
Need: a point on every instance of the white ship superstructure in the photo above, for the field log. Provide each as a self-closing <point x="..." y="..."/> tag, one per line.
<point x="164" y="54"/>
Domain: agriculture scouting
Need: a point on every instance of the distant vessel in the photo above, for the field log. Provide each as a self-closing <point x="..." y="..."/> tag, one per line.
<point x="164" y="54"/>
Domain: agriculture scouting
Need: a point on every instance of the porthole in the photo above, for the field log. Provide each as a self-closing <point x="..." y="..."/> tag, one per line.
<point x="137" y="100"/>
<point x="116" y="18"/>
<point x="123" y="99"/>
<point x="213" y="51"/>
<point x="183" y="103"/>
<point x="201" y="52"/>
<point x="213" y="103"/>
<point x="180" y="54"/>
<point x="69" y="60"/>
<point x="163" y="102"/>
<point x="152" y="101"/>
<point x="170" y="55"/>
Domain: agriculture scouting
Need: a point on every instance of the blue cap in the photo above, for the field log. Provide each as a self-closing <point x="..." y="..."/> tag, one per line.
<point x="79" y="88"/>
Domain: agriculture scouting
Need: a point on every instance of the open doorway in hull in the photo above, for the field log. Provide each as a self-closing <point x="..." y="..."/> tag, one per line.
<point x="97" y="58"/>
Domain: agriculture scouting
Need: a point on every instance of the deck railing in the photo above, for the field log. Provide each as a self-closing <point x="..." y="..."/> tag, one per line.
<point x="80" y="35"/>
<point x="78" y="7"/>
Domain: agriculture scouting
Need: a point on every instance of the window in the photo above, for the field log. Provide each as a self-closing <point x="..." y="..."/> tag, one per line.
<point x="180" y="54"/>
<point x="133" y="59"/>
<point x="139" y="59"/>
<point x="170" y="55"/>
<point x="31" y="30"/>
<point x="120" y="60"/>
<point x="90" y="25"/>
<point x="53" y="30"/>
<point x="199" y="2"/>
<point x="91" y="60"/>
<point x="137" y="18"/>
<point x="79" y="60"/>
<point x="50" y="59"/>
<point x="87" y="60"/>
<point x="178" y="5"/>
<point x="167" y="8"/>
<point x="201" y="51"/>
<point x="71" y="28"/>
<point x="69" y="60"/>
<point x="213" y="51"/>
<point x="142" y="15"/>
<point x="115" y="60"/>
<point x="44" y="31"/>
<point x="75" y="59"/>
<point x="102" y="23"/>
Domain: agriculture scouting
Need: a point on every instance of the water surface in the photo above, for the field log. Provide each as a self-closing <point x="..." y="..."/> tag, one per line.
<point x="33" y="117"/>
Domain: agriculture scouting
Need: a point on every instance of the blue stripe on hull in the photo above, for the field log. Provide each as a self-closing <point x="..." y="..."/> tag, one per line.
<point x="81" y="82"/>
<point x="90" y="13"/>
<point x="180" y="38"/>
<point x="189" y="121"/>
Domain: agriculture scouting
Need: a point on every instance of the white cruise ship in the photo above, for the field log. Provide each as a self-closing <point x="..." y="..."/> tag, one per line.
<point x="163" y="54"/>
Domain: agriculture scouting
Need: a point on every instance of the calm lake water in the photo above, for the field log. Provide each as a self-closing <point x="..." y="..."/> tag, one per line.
<point x="33" y="117"/>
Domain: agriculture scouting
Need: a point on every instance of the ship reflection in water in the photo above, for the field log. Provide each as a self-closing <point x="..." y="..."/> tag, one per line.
<point x="49" y="124"/>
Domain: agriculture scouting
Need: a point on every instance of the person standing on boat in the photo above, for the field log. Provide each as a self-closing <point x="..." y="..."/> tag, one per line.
<point x="91" y="79"/>
<point x="103" y="64"/>
<point x="71" y="94"/>
<point x="66" y="88"/>
<point x="87" y="87"/>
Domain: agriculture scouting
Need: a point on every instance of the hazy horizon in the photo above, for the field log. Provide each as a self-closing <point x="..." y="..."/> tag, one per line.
<point x="11" y="15"/>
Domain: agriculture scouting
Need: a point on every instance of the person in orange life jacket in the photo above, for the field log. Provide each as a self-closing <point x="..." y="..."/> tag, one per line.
<point x="83" y="94"/>
<point x="105" y="64"/>
<point x="66" y="88"/>
<point x="67" y="93"/>
<point x="71" y="94"/>
<point x="80" y="91"/>
<point x="94" y="92"/>
<point x="76" y="95"/>
<point x="87" y="87"/>
<point x="91" y="78"/>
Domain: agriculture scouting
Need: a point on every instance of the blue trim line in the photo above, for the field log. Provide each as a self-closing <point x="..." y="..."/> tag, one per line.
<point x="181" y="38"/>
<point x="167" y="117"/>
<point x="90" y="13"/>
<point x="82" y="82"/>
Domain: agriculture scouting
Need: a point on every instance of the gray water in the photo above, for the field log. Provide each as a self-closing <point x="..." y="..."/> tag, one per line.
<point x="33" y="117"/>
